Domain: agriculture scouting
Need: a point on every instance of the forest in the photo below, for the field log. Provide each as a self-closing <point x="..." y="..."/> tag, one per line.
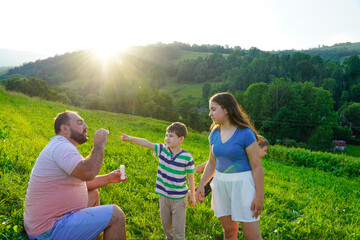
<point x="294" y="98"/>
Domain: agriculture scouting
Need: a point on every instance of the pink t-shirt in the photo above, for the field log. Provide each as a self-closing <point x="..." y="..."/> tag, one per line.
<point x="52" y="191"/>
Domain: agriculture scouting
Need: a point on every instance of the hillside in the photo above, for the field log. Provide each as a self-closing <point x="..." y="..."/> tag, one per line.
<point x="173" y="81"/>
<point x="335" y="53"/>
<point x="300" y="203"/>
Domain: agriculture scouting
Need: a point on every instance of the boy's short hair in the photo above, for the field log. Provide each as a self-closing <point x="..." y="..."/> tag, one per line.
<point x="262" y="142"/>
<point x="178" y="128"/>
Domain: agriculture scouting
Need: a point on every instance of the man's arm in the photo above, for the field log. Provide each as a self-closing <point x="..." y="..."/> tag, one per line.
<point x="139" y="141"/>
<point x="102" y="180"/>
<point x="87" y="169"/>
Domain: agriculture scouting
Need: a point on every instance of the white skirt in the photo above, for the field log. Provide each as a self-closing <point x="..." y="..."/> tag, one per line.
<point x="233" y="194"/>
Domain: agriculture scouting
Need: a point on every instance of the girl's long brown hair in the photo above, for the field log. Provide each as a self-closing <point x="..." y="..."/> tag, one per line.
<point x="236" y="114"/>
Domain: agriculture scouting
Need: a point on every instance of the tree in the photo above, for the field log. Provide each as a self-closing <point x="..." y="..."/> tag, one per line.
<point x="201" y="72"/>
<point x="322" y="138"/>
<point x="352" y="65"/>
<point x="283" y="125"/>
<point x="253" y="102"/>
<point x="206" y="90"/>
<point x="354" y="93"/>
<point x="329" y="84"/>
<point x="350" y="116"/>
<point x="278" y="95"/>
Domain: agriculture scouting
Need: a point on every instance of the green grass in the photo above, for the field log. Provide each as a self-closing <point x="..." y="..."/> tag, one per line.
<point x="300" y="203"/>
<point x="194" y="55"/>
<point x="352" y="150"/>
<point x="184" y="90"/>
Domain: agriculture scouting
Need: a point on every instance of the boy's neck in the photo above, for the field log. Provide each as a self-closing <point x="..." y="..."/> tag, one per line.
<point x="175" y="150"/>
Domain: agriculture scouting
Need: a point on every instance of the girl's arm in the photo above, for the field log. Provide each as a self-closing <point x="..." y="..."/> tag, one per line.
<point x="208" y="173"/>
<point x="139" y="141"/>
<point x="252" y="152"/>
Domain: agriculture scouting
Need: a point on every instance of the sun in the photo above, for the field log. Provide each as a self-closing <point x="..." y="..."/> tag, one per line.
<point x="104" y="52"/>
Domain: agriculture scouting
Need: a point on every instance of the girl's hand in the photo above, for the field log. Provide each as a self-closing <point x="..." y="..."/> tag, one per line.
<point x="200" y="193"/>
<point x="257" y="206"/>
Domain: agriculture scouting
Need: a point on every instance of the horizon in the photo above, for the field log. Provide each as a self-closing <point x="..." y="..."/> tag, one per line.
<point x="58" y="27"/>
<point x="232" y="47"/>
<point x="31" y="56"/>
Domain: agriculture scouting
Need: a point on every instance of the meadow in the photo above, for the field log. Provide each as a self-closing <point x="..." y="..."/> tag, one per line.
<point x="301" y="202"/>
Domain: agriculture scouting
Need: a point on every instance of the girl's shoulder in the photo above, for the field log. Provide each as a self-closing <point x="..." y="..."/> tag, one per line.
<point x="245" y="130"/>
<point x="246" y="135"/>
<point x="213" y="134"/>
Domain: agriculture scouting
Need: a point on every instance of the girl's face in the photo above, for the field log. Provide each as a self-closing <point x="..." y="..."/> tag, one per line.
<point x="263" y="151"/>
<point x="217" y="113"/>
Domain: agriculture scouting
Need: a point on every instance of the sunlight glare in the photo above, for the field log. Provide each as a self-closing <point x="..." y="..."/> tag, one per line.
<point x="104" y="52"/>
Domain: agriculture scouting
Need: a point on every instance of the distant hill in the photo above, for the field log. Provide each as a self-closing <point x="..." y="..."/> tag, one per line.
<point x="4" y="69"/>
<point x="334" y="53"/>
<point x="12" y="58"/>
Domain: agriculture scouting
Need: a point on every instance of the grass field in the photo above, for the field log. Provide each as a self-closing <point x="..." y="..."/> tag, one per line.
<point x="184" y="90"/>
<point x="300" y="203"/>
<point x="352" y="150"/>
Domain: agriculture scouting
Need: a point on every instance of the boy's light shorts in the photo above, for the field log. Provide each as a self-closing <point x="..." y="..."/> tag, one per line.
<point x="233" y="194"/>
<point x="84" y="224"/>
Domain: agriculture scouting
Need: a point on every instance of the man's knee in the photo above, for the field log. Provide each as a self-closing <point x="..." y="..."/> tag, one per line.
<point x="118" y="215"/>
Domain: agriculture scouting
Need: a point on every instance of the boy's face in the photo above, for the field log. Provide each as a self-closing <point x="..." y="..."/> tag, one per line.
<point x="172" y="140"/>
<point x="263" y="151"/>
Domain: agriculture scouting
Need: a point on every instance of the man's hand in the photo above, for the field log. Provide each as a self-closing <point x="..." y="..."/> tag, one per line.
<point x="115" y="176"/>
<point x="100" y="137"/>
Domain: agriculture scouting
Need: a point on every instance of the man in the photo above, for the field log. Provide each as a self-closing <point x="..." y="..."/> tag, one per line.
<point x="62" y="200"/>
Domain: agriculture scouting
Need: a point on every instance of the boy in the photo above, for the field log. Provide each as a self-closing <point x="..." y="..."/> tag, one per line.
<point x="174" y="164"/>
<point x="263" y="147"/>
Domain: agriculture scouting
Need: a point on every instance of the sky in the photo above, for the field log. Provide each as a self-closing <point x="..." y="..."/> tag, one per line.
<point x="55" y="27"/>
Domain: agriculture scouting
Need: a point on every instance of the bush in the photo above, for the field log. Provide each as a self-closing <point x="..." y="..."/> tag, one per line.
<point x="340" y="165"/>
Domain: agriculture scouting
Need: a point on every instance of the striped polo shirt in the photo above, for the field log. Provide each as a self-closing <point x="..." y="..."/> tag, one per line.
<point x="171" y="175"/>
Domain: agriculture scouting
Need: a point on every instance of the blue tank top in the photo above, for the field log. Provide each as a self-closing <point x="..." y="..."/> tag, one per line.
<point x="231" y="156"/>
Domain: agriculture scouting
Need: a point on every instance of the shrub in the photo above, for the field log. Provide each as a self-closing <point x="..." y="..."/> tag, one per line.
<point x="340" y="165"/>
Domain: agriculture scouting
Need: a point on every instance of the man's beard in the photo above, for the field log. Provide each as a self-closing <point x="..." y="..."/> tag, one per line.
<point x="80" y="138"/>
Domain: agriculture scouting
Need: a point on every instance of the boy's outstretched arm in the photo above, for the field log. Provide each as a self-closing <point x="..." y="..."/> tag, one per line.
<point x="200" y="168"/>
<point x="139" y="141"/>
<point x="191" y="180"/>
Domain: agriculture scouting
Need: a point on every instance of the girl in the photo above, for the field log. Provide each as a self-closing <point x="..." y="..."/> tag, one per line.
<point x="238" y="184"/>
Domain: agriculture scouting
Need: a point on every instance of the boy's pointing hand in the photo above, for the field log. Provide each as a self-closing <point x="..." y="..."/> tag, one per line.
<point x="124" y="137"/>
